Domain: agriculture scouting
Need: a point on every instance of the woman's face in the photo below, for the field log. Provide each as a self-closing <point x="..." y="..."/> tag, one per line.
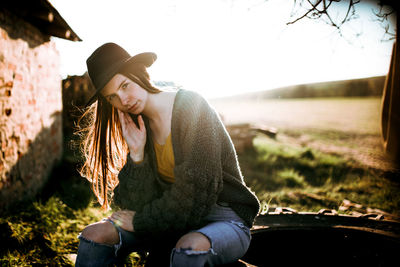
<point x="125" y="95"/>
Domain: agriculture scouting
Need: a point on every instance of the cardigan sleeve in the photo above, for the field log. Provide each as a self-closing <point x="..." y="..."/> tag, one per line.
<point x="198" y="171"/>
<point x="137" y="185"/>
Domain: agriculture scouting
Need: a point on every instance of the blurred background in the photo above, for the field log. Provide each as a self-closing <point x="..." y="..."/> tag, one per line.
<point x="309" y="95"/>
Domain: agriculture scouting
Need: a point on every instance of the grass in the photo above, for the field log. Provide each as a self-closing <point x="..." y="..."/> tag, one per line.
<point x="43" y="232"/>
<point x="309" y="180"/>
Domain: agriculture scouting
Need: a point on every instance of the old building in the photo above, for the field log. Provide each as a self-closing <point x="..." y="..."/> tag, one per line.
<point x="30" y="96"/>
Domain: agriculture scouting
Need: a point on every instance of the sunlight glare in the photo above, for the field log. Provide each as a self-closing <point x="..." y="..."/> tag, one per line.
<point x="223" y="47"/>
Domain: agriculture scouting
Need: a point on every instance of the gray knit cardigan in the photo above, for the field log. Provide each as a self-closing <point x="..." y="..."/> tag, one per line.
<point x="206" y="171"/>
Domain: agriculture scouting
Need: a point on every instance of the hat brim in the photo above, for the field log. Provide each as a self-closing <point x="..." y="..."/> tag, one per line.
<point x="146" y="58"/>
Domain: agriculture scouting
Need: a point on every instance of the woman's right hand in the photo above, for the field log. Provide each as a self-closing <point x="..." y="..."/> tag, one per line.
<point x="135" y="137"/>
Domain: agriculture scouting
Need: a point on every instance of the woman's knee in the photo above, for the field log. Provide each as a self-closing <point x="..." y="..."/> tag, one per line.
<point x="101" y="232"/>
<point x="194" y="241"/>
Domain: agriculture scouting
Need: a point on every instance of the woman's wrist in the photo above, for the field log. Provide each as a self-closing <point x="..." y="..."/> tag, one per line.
<point x="137" y="158"/>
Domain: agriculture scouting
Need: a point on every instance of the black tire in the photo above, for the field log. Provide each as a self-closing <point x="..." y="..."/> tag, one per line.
<point x="320" y="239"/>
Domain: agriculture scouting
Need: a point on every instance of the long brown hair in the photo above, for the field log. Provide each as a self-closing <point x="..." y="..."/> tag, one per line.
<point x="103" y="146"/>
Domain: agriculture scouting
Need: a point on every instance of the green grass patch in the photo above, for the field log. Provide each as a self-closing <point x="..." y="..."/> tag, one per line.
<point x="44" y="232"/>
<point x="290" y="178"/>
<point x="309" y="180"/>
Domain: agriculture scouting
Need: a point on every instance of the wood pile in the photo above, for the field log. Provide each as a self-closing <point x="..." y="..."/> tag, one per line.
<point x="351" y="208"/>
<point x="356" y="209"/>
<point x="242" y="134"/>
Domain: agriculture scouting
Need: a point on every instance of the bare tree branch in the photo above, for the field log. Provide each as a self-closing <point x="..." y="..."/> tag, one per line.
<point x="386" y="11"/>
<point x="319" y="9"/>
<point x="305" y="15"/>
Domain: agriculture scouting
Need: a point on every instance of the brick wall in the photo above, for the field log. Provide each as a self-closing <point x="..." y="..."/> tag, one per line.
<point x="30" y="109"/>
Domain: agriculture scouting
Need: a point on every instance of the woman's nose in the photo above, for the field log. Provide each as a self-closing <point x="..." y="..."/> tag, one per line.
<point x="123" y="98"/>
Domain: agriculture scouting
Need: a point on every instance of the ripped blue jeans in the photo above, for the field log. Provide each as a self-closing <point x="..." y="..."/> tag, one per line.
<point x="228" y="235"/>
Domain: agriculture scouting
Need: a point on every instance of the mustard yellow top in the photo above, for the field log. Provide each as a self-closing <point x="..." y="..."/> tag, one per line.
<point x="165" y="160"/>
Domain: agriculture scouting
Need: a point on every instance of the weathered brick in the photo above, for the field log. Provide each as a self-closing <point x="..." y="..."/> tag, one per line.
<point x="12" y="67"/>
<point x="18" y="77"/>
<point x="30" y="108"/>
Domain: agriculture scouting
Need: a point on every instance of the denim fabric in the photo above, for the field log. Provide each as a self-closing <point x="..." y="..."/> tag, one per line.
<point x="91" y="254"/>
<point x="228" y="235"/>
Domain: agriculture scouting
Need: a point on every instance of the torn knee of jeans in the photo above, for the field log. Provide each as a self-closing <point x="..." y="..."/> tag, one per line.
<point x="188" y="251"/>
<point x="115" y="246"/>
<point x="100" y="238"/>
<point x="85" y="239"/>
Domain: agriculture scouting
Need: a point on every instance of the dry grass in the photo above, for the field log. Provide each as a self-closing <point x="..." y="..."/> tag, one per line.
<point x="349" y="115"/>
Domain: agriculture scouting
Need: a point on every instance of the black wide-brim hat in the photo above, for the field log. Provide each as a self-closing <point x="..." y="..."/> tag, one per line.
<point x="108" y="60"/>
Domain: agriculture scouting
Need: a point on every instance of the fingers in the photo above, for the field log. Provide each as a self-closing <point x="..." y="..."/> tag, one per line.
<point x="117" y="218"/>
<point x="141" y="123"/>
<point x="130" y="121"/>
<point x="123" y="219"/>
<point x="121" y="121"/>
<point x="121" y="116"/>
<point x="122" y="214"/>
<point x="126" y="120"/>
<point x="134" y="135"/>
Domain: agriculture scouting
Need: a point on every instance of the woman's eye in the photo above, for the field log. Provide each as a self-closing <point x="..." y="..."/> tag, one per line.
<point x="111" y="97"/>
<point x="124" y="85"/>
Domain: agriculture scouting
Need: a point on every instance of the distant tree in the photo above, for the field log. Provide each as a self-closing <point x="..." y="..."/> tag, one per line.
<point x="167" y="84"/>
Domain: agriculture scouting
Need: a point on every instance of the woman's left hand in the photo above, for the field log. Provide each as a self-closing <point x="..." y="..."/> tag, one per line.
<point x="123" y="219"/>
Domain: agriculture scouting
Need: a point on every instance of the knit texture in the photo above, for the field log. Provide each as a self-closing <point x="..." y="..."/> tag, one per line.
<point x="206" y="171"/>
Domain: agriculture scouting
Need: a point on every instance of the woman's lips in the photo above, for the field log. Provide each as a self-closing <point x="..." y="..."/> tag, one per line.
<point x="133" y="107"/>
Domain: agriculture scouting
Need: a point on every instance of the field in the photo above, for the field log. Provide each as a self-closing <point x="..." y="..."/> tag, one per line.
<point x="352" y="115"/>
<point x="327" y="155"/>
<point x="349" y="127"/>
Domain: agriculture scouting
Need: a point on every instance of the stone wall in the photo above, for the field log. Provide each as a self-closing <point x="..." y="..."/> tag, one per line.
<point x="76" y="92"/>
<point x="30" y="109"/>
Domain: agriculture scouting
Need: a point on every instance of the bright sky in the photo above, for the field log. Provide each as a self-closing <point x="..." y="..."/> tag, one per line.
<point x="224" y="47"/>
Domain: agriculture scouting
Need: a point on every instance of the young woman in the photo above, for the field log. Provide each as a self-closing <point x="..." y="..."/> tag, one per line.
<point x="170" y="164"/>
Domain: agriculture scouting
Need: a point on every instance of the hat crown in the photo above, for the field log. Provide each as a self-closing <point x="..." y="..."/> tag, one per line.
<point x="102" y="61"/>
